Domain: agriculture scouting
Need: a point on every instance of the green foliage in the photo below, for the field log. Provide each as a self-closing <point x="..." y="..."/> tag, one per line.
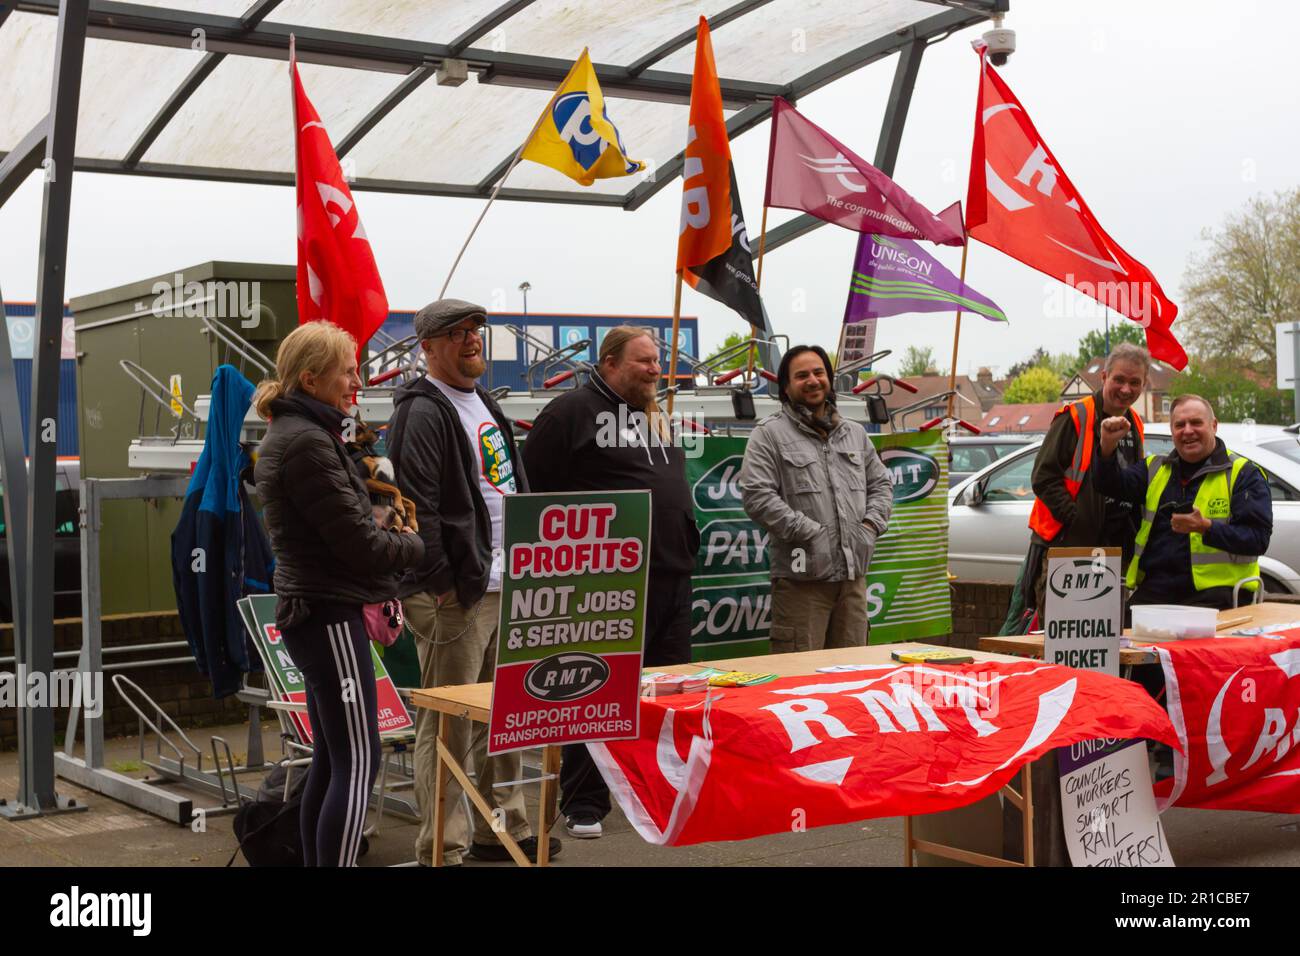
<point x="1093" y="345"/>
<point x="738" y="360"/>
<point x="1062" y="365"/>
<point x="1235" y="396"/>
<point x="916" y="361"/>
<point x="1034" y="385"/>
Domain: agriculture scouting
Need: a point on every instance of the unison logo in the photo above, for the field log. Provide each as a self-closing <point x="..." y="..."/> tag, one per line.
<point x="76" y="909"/>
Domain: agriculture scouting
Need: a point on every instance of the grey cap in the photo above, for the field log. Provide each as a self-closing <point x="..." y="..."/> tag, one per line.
<point x="445" y="314"/>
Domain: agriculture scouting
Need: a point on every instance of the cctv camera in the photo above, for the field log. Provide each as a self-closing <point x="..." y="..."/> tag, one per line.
<point x="1001" y="44"/>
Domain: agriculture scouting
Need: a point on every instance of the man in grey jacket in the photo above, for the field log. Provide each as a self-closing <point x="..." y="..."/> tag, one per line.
<point x="815" y="482"/>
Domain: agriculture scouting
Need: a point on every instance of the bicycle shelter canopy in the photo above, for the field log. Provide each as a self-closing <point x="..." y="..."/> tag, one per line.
<point x="427" y="97"/>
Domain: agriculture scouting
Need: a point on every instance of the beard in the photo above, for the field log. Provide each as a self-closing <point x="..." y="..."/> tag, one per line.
<point x="471" y="366"/>
<point x="812" y="403"/>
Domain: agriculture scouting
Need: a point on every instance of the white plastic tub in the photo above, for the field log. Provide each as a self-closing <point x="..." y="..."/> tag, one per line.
<point x="1173" y="622"/>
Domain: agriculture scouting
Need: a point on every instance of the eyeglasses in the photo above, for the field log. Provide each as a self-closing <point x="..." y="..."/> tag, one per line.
<point x="457" y="335"/>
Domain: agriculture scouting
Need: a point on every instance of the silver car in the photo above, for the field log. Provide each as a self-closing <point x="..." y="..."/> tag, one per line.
<point x="988" y="513"/>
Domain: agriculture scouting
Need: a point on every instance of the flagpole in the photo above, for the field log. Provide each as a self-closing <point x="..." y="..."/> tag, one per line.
<point x="956" y="337"/>
<point x="758" y="279"/>
<point x="672" y="365"/>
<point x="501" y="182"/>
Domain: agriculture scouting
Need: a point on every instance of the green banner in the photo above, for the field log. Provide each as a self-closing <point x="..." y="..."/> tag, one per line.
<point x="907" y="584"/>
<point x="908" y="597"/>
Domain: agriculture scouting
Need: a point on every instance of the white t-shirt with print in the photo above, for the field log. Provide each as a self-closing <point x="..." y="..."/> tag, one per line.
<point x="496" y="470"/>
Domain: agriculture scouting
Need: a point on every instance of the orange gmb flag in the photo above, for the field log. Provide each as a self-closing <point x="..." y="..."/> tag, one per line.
<point x="706" y="173"/>
<point x="337" y="276"/>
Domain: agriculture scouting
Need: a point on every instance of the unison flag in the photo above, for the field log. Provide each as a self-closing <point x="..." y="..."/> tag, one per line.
<point x="337" y="276"/>
<point x="892" y="276"/>
<point x="1021" y="201"/>
<point x="809" y="169"/>
<point x="574" y="135"/>
<point x="713" y="251"/>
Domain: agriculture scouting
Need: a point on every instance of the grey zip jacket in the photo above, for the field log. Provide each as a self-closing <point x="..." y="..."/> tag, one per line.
<point x="831" y="498"/>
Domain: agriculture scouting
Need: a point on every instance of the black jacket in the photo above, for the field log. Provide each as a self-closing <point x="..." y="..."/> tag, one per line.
<point x="1086" y="521"/>
<point x="437" y="468"/>
<point x="563" y="454"/>
<point x="317" y="513"/>
<point x="1167" y="559"/>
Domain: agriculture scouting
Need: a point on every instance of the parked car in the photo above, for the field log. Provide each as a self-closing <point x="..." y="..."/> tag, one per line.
<point x="988" y="513"/>
<point x="67" y="545"/>
<point x="969" y="454"/>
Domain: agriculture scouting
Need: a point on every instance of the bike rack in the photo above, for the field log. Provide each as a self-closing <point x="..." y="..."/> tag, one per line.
<point x="152" y="388"/>
<point x="945" y="421"/>
<point x="235" y="343"/>
<point x="715" y="375"/>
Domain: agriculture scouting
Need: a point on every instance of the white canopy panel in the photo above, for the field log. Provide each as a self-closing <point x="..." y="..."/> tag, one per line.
<point x="200" y="87"/>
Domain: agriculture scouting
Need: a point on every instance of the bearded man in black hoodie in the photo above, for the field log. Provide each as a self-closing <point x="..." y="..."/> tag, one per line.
<point x="608" y="435"/>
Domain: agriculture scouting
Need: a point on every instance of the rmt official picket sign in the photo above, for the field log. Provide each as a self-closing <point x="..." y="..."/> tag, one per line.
<point x="1084" y="609"/>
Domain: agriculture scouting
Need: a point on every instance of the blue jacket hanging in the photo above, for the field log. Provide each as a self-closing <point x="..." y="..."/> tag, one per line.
<point x="220" y="551"/>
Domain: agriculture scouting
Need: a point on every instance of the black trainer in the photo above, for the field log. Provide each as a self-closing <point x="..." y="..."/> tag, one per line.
<point x="497" y="852"/>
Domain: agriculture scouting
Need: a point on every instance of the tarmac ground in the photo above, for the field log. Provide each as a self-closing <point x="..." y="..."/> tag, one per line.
<point x="112" y="834"/>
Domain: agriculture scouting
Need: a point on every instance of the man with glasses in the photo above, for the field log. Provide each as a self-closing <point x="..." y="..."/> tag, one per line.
<point x="454" y="455"/>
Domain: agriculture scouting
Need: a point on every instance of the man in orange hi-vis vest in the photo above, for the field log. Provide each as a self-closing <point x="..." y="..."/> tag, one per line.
<point x="1070" y="511"/>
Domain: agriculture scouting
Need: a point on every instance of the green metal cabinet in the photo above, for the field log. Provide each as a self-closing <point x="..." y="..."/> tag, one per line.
<point x="156" y="324"/>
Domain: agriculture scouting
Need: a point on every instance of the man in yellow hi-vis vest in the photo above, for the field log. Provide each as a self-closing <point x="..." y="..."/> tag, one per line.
<point x="1206" y="512"/>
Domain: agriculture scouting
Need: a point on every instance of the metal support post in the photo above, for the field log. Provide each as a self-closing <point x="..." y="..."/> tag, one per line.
<point x="36" y="793"/>
<point x="1294" y="332"/>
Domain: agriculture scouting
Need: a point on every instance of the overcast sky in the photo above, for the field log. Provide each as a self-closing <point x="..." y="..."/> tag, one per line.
<point x="1167" y="115"/>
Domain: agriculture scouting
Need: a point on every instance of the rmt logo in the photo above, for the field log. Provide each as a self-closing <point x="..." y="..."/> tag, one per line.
<point x="564" y="677"/>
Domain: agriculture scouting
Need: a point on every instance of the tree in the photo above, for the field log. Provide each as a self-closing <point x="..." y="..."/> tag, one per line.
<point x="1093" y="345"/>
<point x="916" y="361"/>
<point x="1034" y="385"/>
<point x="1246" y="282"/>
<point x="740" y="359"/>
<point x="1235" y="397"/>
<point x="1039" y="358"/>
<point x="1061" y="364"/>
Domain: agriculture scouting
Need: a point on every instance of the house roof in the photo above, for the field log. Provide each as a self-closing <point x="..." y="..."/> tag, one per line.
<point x="1018" y="419"/>
<point x="928" y="385"/>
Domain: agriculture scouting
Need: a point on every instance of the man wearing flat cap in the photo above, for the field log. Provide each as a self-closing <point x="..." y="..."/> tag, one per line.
<point x="454" y="455"/>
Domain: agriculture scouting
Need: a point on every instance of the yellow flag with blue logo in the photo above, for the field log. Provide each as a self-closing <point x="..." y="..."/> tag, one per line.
<point x="575" y="136"/>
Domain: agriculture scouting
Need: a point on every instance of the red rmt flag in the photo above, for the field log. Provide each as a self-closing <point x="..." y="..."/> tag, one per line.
<point x="1235" y="703"/>
<point x="337" y="276"/>
<point x="829" y="748"/>
<point x="1021" y="201"/>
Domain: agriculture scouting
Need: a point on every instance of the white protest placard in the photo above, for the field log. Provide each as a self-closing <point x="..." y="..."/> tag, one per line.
<point x="1108" y="807"/>
<point x="1084" y="609"/>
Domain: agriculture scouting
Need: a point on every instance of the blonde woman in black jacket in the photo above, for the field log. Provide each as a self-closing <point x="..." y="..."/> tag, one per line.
<point x="330" y="559"/>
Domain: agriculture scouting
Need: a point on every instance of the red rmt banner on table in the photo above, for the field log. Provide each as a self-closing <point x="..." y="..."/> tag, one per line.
<point x="1235" y="703"/>
<point x="888" y="740"/>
